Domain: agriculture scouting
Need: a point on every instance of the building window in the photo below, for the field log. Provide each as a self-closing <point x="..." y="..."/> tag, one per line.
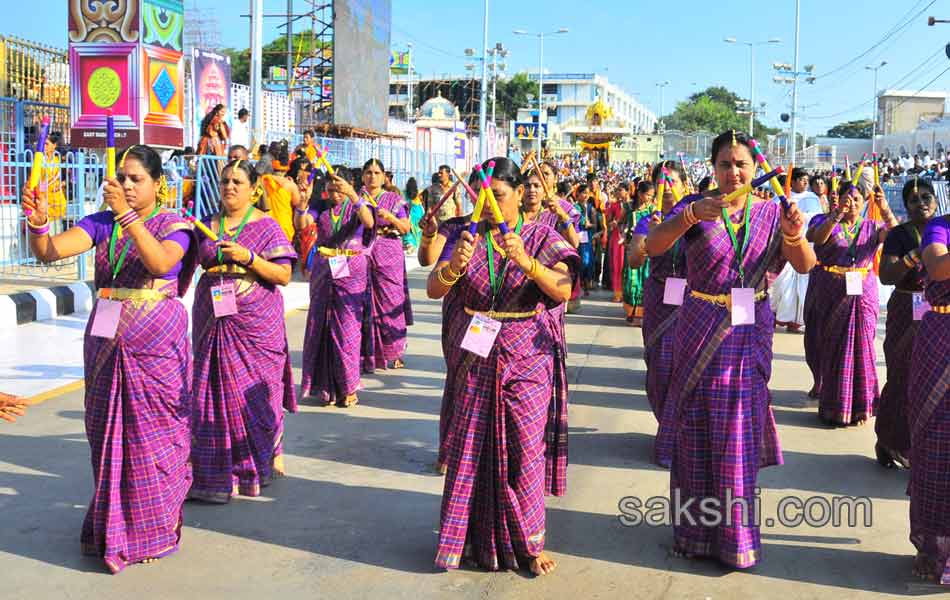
<point x="549" y="88"/>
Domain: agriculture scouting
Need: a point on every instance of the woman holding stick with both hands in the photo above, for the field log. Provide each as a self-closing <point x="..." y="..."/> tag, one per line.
<point x="392" y="310"/>
<point x="901" y="267"/>
<point x="243" y="379"/>
<point x="846" y="244"/>
<point x="724" y="430"/>
<point x="507" y="439"/>
<point x="338" y="279"/>
<point x="137" y="359"/>
<point x="928" y="413"/>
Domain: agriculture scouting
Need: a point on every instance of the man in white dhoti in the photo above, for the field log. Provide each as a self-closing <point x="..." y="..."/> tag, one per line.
<point x="788" y="289"/>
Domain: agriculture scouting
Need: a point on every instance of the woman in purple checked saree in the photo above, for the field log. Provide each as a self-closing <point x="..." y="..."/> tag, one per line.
<point x="659" y="318"/>
<point x="243" y="380"/>
<point x="506" y="440"/>
<point x="385" y="342"/>
<point x="901" y="267"/>
<point x="338" y="280"/>
<point x="137" y="360"/>
<point x="928" y="413"/>
<point x="846" y="245"/>
<point x="724" y="430"/>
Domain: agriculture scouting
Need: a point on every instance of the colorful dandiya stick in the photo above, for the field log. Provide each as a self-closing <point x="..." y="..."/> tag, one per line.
<point x="776" y="186"/>
<point x="110" y="145"/>
<point x="191" y="218"/>
<point x="468" y="189"/>
<point x="490" y="197"/>
<point x="857" y="174"/>
<point x="877" y="172"/>
<point x="847" y="167"/>
<point x="660" y="193"/>
<point x="38" y="156"/>
<point x="322" y="157"/>
<point x="788" y="179"/>
<point x="477" y="213"/>
<point x="669" y="181"/>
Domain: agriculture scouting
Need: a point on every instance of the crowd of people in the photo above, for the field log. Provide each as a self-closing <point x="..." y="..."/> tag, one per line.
<point x="707" y="268"/>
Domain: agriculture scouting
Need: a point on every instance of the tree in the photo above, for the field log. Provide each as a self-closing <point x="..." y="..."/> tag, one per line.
<point x="852" y="129"/>
<point x="274" y="54"/>
<point x="512" y="94"/>
<point x="715" y="109"/>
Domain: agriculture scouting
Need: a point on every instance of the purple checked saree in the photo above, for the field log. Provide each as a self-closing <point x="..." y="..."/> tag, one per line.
<point x="338" y="311"/>
<point x="138" y="402"/>
<point x="506" y="442"/>
<point x="849" y="388"/>
<point x="243" y="380"/>
<point x="813" y="313"/>
<point x="901" y="329"/>
<point x="389" y="291"/>
<point x="928" y="412"/>
<point x="717" y="417"/>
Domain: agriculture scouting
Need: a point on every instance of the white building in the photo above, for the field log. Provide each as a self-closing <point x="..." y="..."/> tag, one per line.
<point x="567" y="97"/>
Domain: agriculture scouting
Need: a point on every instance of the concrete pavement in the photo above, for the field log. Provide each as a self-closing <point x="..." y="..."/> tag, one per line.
<point x="358" y="514"/>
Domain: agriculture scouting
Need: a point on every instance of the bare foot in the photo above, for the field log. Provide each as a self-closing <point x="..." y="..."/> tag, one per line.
<point x="543" y="564"/>
<point x="278" y="469"/>
<point x="398" y="364"/>
<point x="861" y="422"/>
<point x="148" y="561"/>
<point x="440" y="468"/>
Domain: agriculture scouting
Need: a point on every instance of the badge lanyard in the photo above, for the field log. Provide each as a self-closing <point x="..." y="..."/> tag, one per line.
<point x="496" y="284"/>
<point x="337" y="220"/>
<point x="740" y="251"/>
<point x="236" y="233"/>
<point x="117" y="265"/>
<point x="853" y="239"/>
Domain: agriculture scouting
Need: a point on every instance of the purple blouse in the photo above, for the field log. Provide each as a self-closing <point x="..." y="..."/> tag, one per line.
<point x="98" y="226"/>
<point x="937" y="232"/>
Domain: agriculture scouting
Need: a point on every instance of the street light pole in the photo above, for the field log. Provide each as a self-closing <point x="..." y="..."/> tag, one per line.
<point x="795" y="84"/>
<point x="540" y="77"/>
<point x="409" y="109"/>
<point x="540" y="90"/>
<point x="752" y="45"/>
<point x="483" y="93"/>
<point x="874" y="106"/>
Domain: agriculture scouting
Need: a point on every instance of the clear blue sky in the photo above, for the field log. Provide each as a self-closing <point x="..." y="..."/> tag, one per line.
<point x="620" y="38"/>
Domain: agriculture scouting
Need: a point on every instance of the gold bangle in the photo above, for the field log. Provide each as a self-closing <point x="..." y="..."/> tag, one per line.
<point x="452" y="274"/>
<point x="909" y="262"/>
<point x="793" y="241"/>
<point x="440" y="274"/>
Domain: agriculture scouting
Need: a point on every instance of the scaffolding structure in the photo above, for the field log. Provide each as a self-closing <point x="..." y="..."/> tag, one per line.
<point x="201" y="29"/>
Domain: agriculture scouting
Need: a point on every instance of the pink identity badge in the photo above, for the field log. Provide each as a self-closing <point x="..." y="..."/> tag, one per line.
<point x="584" y="236"/>
<point x="339" y="267"/>
<point x="921" y="306"/>
<point x="105" y="321"/>
<point x="223" y="299"/>
<point x="674" y="291"/>
<point x="743" y="306"/>
<point x="480" y="335"/>
<point x="854" y="283"/>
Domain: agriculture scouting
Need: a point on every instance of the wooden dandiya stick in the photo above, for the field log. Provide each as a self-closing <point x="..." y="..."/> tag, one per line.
<point x="468" y="189"/>
<point x="322" y="157"/>
<point x="544" y="183"/>
<point x="776" y="187"/>
<point x="669" y="181"/>
<point x="38" y="157"/>
<point x="110" y="145"/>
<point x="187" y="214"/>
<point x="490" y="197"/>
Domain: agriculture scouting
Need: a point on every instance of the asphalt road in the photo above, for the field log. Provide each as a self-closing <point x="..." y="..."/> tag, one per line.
<point x="357" y="515"/>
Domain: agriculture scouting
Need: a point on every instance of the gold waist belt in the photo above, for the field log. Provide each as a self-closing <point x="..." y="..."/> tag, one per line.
<point x="502" y="316"/>
<point x="840" y="271"/>
<point x="338" y="252"/>
<point x="724" y="300"/>
<point x="228" y="269"/>
<point x="132" y="294"/>
<point x="943" y="309"/>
